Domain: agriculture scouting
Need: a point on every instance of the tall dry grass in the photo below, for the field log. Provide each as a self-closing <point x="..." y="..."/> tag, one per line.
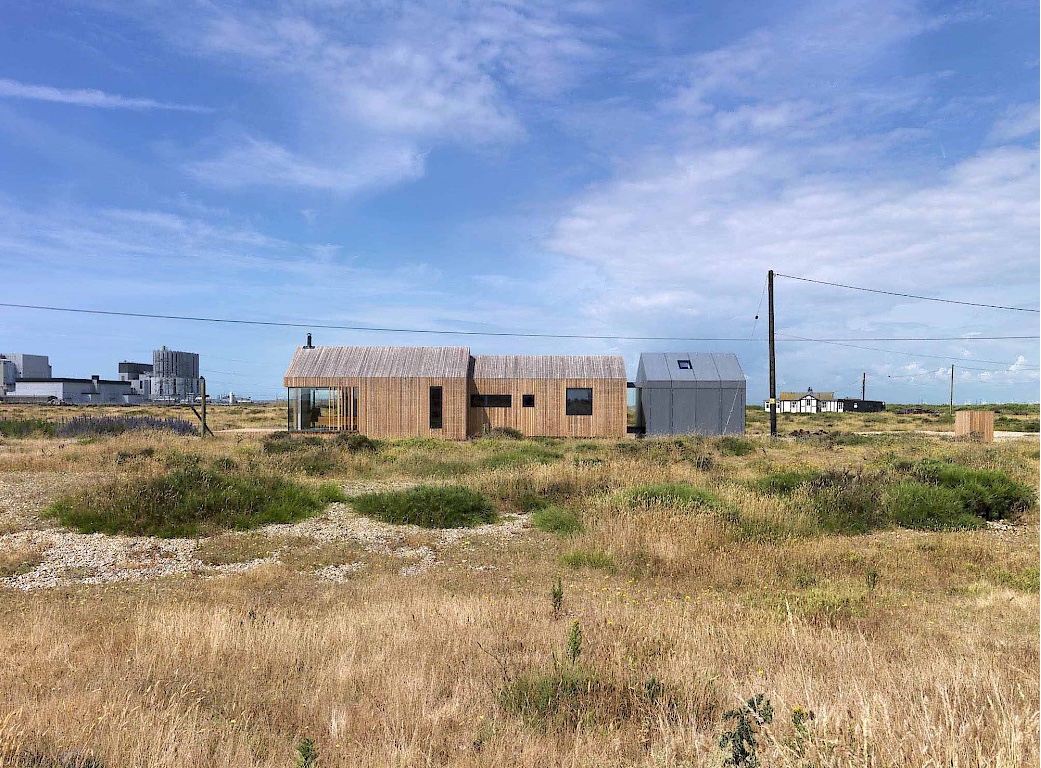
<point x="932" y="660"/>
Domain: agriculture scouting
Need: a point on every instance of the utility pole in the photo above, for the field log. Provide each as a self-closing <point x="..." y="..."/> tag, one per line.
<point x="863" y="386"/>
<point x="202" y="386"/>
<point x="773" y="359"/>
<point x="952" y="389"/>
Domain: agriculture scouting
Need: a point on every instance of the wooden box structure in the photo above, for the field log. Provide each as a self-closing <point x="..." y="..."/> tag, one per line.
<point x="445" y="392"/>
<point x="974" y="425"/>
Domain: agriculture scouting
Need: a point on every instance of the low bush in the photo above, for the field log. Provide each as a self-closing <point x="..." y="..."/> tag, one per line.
<point x="929" y="507"/>
<point x="676" y="495"/>
<point x="847" y="503"/>
<point x="521" y="455"/>
<point x="504" y="433"/>
<point x="735" y="446"/>
<point x="98" y="426"/>
<point x="428" y="506"/>
<point x="568" y="697"/>
<point x="559" y="520"/>
<point x="988" y="494"/>
<point x="588" y="558"/>
<point x="191" y="501"/>
<point x="356" y="442"/>
<point x="27" y="428"/>
<point x="783" y="483"/>
<point x="328" y="493"/>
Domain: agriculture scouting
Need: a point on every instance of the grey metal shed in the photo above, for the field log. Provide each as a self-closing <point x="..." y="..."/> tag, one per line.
<point x="681" y="393"/>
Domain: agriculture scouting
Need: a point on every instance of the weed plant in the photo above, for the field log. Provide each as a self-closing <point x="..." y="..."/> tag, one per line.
<point x="428" y="507"/>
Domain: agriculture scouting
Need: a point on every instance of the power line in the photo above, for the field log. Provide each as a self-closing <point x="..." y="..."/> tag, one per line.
<point x="955" y="360"/>
<point x="519" y="334"/>
<point x="909" y="295"/>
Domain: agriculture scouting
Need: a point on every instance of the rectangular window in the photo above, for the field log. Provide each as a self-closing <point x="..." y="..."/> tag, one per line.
<point x="683" y="364"/>
<point x="491" y="401"/>
<point x="436" y="401"/>
<point x="579" y="401"/>
<point x="528" y="401"/>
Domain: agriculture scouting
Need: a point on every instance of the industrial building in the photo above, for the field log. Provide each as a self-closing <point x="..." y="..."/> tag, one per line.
<point x="94" y="390"/>
<point x="447" y="392"/>
<point x="174" y="376"/>
<point x="16" y="365"/>
<point x="680" y="393"/>
<point x="139" y="375"/>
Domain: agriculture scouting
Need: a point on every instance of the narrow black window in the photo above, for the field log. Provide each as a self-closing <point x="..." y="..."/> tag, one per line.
<point x="528" y="401"/>
<point x="579" y="401"/>
<point x="491" y="401"/>
<point x="683" y="364"/>
<point x="436" y="410"/>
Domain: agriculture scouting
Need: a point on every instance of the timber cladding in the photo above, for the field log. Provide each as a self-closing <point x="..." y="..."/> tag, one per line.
<point x="548" y="416"/>
<point x="407" y="391"/>
<point x="974" y="425"/>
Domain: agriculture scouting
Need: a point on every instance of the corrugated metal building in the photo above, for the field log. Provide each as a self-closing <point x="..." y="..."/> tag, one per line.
<point x="445" y="392"/>
<point x="682" y="393"/>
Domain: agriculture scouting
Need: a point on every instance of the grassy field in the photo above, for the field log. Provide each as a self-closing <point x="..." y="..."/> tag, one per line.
<point x="611" y="602"/>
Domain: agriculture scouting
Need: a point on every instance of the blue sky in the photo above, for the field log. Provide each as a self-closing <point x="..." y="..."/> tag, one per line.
<point x="616" y="169"/>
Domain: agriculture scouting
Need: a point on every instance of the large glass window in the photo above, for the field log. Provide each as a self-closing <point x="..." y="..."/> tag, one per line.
<point x="491" y="401"/>
<point x="436" y="407"/>
<point x="315" y="409"/>
<point x="579" y="401"/>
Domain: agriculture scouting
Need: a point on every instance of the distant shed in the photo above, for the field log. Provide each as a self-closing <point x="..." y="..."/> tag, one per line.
<point x="682" y="393"/>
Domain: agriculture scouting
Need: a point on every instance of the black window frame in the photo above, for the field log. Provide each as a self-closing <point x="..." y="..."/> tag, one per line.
<point x="576" y="406"/>
<point x="684" y="365"/>
<point x="527" y="401"/>
<point x="437" y="407"/>
<point x="491" y="401"/>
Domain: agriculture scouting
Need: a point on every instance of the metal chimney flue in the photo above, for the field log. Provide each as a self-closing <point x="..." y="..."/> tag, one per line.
<point x="309" y="344"/>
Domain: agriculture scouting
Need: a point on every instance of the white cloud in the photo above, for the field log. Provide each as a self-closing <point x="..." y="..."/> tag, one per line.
<point x="84" y="97"/>
<point x="1020" y="121"/>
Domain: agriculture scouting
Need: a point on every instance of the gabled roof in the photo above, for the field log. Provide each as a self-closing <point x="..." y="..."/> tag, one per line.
<point x="549" y="367"/>
<point x="378" y="362"/>
<point x="820" y="396"/>
<point x="713" y="370"/>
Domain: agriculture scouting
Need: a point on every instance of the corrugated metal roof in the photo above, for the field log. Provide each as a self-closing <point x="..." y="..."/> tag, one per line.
<point x="379" y="362"/>
<point x="549" y="367"/>
<point x="706" y="369"/>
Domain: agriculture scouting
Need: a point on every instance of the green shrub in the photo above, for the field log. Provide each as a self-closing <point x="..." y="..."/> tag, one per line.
<point x="847" y="503"/>
<point x="330" y="492"/>
<point x="428" y="506"/>
<point x="356" y="442"/>
<point x="521" y="455"/>
<point x="783" y="483"/>
<point x="26" y="428"/>
<point x="675" y="494"/>
<point x="929" y="507"/>
<point x="504" y="433"/>
<point x="559" y="520"/>
<point x="588" y="558"/>
<point x="191" y="501"/>
<point x="735" y="446"/>
<point x="988" y="494"/>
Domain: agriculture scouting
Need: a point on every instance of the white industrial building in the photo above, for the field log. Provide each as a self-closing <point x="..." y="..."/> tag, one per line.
<point x="94" y="390"/>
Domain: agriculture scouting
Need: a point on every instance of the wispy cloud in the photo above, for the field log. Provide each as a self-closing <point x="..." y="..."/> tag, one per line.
<point x="86" y="97"/>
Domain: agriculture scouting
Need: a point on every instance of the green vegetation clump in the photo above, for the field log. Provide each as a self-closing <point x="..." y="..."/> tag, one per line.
<point x="330" y="492"/>
<point x="26" y="428"/>
<point x="428" y="507"/>
<point x="521" y="455"/>
<point x="588" y="558"/>
<point x="929" y="507"/>
<point x="355" y="442"/>
<point x="187" y="502"/>
<point x="735" y="446"/>
<point x="504" y="433"/>
<point x="987" y="494"/>
<point x="784" y="483"/>
<point x="559" y="520"/>
<point x="675" y="494"/>
<point x="847" y="503"/>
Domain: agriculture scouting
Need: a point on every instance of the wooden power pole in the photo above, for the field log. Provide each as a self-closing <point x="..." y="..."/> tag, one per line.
<point x="773" y="359"/>
<point x="863" y="386"/>
<point x="952" y="389"/>
<point x="202" y="386"/>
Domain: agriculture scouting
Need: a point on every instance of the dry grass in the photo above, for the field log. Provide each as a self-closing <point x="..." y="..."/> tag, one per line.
<point x="910" y="648"/>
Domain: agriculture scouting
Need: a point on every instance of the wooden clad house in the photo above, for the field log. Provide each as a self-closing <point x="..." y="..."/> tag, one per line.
<point x="549" y="395"/>
<point x="380" y="391"/>
<point x="445" y="392"/>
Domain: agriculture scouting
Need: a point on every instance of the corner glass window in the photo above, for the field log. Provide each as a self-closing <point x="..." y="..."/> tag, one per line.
<point x="579" y="401"/>
<point x="528" y="401"/>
